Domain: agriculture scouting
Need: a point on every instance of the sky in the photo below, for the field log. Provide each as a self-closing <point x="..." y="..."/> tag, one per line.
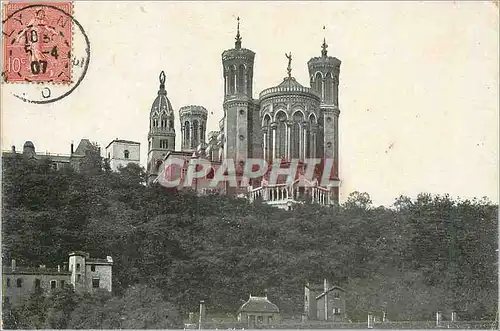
<point x="418" y="92"/>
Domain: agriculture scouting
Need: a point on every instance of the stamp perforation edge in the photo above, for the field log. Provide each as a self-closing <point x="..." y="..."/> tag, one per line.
<point x="4" y="50"/>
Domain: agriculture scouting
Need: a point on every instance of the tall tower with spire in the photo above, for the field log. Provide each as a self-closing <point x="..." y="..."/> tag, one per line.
<point x="161" y="137"/>
<point x="324" y="74"/>
<point x="241" y="114"/>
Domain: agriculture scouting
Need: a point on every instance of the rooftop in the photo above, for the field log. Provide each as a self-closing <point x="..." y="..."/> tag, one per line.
<point x="33" y="271"/>
<point x="289" y="86"/>
<point x="123" y="142"/>
<point x="259" y="305"/>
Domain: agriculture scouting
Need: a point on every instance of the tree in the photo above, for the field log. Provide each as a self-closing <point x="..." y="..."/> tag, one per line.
<point x="358" y="200"/>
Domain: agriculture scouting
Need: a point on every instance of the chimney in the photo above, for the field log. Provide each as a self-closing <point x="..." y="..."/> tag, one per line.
<point x="72" y="151"/>
<point x="370" y="320"/>
<point x="202" y="313"/>
<point x="265" y="293"/>
<point x="13" y="149"/>
<point x="325" y="287"/>
<point x="13" y="264"/>
<point x="453" y="316"/>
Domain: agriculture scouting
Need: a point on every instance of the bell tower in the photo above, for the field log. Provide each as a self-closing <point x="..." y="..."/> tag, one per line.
<point x="239" y="107"/>
<point x="193" y="126"/>
<point x="324" y="75"/>
<point x="161" y="137"/>
<point x="324" y="72"/>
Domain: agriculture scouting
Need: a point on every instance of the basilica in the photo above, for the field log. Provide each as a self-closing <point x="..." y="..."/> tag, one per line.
<point x="287" y="121"/>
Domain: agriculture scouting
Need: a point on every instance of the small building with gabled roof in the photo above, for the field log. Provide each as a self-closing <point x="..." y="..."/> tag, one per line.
<point x="258" y="310"/>
<point x="324" y="302"/>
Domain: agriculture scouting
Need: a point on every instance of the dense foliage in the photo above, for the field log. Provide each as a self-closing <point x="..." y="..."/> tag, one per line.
<point x="173" y="249"/>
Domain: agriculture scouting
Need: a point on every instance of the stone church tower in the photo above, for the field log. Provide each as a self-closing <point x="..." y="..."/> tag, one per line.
<point x="324" y="74"/>
<point x="241" y="113"/>
<point x="193" y="125"/>
<point x="161" y="135"/>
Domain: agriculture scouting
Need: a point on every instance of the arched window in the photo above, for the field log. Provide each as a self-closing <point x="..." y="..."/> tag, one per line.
<point x="318" y="84"/>
<point x="249" y="81"/>
<point x="269" y="139"/>
<point x="281" y="134"/>
<point x="171" y="124"/>
<point x="312" y="136"/>
<point x="202" y="133"/>
<point x="241" y="79"/>
<point x="297" y="120"/>
<point x="195" y="133"/>
<point x="186" y="134"/>
<point x="19" y="282"/>
<point x="126" y="154"/>
<point x="232" y="78"/>
<point x="329" y="88"/>
<point x="225" y="82"/>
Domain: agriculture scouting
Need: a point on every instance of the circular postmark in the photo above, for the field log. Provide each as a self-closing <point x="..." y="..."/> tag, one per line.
<point x="44" y="59"/>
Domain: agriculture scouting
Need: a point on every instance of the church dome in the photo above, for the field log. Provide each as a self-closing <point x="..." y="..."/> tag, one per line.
<point x="162" y="103"/>
<point x="289" y="86"/>
<point x="29" y="144"/>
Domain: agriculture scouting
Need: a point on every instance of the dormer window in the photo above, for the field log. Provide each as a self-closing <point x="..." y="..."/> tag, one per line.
<point x="126" y="154"/>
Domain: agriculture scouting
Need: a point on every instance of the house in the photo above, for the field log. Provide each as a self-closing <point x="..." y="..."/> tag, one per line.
<point x="84" y="274"/>
<point x="324" y="302"/>
<point x="76" y="159"/>
<point x="258" y="310"/>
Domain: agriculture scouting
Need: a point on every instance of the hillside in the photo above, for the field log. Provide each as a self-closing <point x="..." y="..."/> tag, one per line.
<point x="430" y="253"/>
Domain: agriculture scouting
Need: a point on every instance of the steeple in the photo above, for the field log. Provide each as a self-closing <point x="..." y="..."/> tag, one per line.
<point x="237" y="44"/>
<point x="324" y="46"/>
<point x="161" y="137"/>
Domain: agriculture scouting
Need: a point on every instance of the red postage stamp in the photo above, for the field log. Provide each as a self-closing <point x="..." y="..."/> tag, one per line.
<point x="37" y="42"/>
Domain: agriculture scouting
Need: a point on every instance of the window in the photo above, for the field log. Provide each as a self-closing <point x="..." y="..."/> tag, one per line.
<point x="336" y="295"/>
<point x="92" y="267"/>
<point x="38" y="283"/>
<point x="95" y="282"/>
<point x="281" y="135"/>
<point x="19" y="282"/>
<point x="62" y="283"/>
<point x="78" y="267"/>
<point x="53" y="284"/>
<point x="126" y="154"/>
<point x="336" y="311"/>
<point x="260" y="319"/>
<point x="163" y="143"/>
<point x="78" y="277"/>
<point x="8" y="282"/>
